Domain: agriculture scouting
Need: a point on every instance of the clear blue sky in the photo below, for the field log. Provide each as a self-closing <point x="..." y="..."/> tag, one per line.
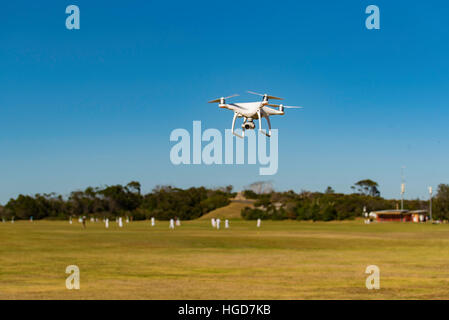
<point x="96" y="106"/>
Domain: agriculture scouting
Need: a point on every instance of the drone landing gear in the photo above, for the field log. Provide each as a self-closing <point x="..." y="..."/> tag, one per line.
<point x="233" y="125"/>
<point x="260" y="124"/>
<point x="250" y="125"/>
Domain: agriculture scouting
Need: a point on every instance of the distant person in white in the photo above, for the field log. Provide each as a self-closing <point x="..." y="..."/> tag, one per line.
<point x="127" y="219"/>
<point x="218" y="223"/>
<point x="258" y="223"/>
<point x="152" y="221"/>
<point x="106" y="223"/>
<point x="172" y="224"/>
<point x="12" y="220"/>
<point x="70" y="220"/>
<point x="213" y="222"/>
<point x="367" y="221"/>
<point x="226" y="224"/>
<point x="178" y="222"/>
<point x="120" y="222"/>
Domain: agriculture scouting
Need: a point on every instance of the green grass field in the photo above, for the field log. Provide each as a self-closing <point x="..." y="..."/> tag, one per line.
<point x="281" y="260"/>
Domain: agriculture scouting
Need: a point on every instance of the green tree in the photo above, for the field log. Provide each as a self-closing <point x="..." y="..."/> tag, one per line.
<point x="441" y="202"/>
<point x="367" y="187"/>
<point x="329" y="190"/>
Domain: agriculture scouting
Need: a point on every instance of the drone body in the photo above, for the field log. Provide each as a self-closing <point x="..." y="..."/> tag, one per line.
<point x="250" y="111"/>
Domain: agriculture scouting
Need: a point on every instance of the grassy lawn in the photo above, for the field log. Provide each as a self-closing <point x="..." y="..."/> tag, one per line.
<point x="281" y="260"/>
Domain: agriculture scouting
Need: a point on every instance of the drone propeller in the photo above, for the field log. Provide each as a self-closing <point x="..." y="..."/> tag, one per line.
<point x="265" y="96"/>
<point x="222" y="99"/>
<point x="282" y="106"/>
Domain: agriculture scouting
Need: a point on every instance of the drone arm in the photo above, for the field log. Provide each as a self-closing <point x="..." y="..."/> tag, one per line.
<point x="233" y="125"/>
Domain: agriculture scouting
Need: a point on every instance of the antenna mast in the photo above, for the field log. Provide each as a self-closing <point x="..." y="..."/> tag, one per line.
<point x="402" y="187"/>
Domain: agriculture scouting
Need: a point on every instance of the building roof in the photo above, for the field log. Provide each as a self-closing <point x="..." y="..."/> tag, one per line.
<point x="418" y="211"/>
<point x="399" y="212"/>
<point x="392" y="212"/>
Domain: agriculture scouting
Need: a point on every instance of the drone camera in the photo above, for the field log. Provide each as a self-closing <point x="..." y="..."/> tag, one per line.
<point x="248" y="125"/>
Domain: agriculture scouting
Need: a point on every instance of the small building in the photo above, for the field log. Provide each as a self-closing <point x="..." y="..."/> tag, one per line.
<point x="400" y="215"/>
<point x="393" y="215"/>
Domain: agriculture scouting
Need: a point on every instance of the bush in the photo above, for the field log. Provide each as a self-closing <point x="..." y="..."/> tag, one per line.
<point x="250" y="194"/>
<point x="253" y="214"/>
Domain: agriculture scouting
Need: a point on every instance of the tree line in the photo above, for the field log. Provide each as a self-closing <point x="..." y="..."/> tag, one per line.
<point x="163" y="203"/>
<point x="166" y="202"/>
<point x="328" y="205"/>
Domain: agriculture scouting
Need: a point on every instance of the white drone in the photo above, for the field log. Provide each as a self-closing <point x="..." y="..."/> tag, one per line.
<point x="252" y="110"/>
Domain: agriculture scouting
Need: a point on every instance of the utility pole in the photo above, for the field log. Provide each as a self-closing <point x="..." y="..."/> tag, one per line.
<point x="430" y="203"/>
<point x="402" y="195"/>
<point x="402" y="188"/>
